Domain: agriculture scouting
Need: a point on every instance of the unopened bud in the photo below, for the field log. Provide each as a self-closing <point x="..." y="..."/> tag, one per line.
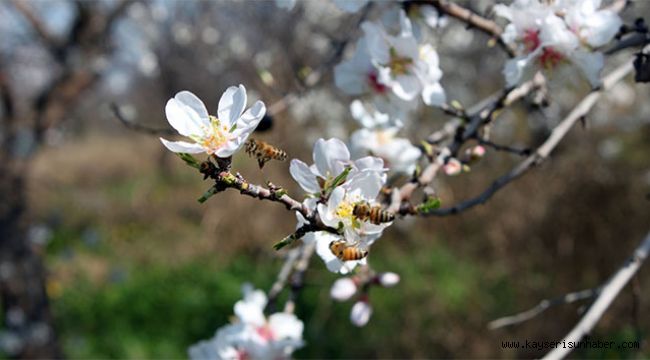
<point x="453" y="167"/>
<point x="388" y="279"/>
<point x="343" y="289"/>
<point x="477" y="151"/>
<point x="360" y="313"/>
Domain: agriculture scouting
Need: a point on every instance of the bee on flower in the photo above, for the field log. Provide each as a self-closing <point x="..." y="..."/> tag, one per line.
<point x="220" y="135"/>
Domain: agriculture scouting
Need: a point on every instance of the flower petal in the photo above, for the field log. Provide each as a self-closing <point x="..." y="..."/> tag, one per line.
<point x="303" y="176"/>
<point x="232" y="104"/>
<point x="330" y="156"/>
<point x="249" y="120"/>
<point x="187" y="114"/>
<point x="182" y="146"/>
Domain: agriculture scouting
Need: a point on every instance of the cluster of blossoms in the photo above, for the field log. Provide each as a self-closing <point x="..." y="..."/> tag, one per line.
<point x="393" y="70"/>
<point x="549" y="33"/>
<point x="252" y="335"/>
<point x="362" y="184"/>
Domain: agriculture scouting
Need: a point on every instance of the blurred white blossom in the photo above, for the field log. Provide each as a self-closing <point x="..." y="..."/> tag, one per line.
<point x="343" y="289"/>
<point x="253" y="335"/>
<point x="360" y="313"/>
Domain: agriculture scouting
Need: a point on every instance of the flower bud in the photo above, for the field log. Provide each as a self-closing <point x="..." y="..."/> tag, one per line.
<point x="388" y="279"/>
<point x="360" y="313"/>
<point x="343" y="289"/>
<point x="477" y="152"/>
<point x="453" y="167"/>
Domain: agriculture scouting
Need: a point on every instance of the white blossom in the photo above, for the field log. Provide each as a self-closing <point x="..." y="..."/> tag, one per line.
<point x="222" y="135"/>
<point x="350" y="6"/>
<point x="343" y="289"/>
<point x="253" y="336"/>
<point x="549" y="34"/>
<point x="360" y="313"/>
<point x="388" y="279"/>
<point x="405" y="66"/>
<point x="285" y="4"/>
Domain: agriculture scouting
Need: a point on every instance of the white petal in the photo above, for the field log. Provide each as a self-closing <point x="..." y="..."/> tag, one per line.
<point x="602" y="27"/>
<point x="304" y="176"/>
<point x="350" y="6"/>
<point x="330" y="156"/>
<point x="252" y="117"/>
<point x="286" y="326"/>
<point x="343" y="289"/>
<point x="590" y="63"/>
<point x="406" y="86"/>
<point x="433" y="94"/>
<point x="182" y="146"/>
<point x="360" y="313"/>
<point x="230" y="147"/>
<point x="388" y="279"/>
<point x="232" y="104"/>
<point x="187" y="114"/>
<point x="368" y="183"/>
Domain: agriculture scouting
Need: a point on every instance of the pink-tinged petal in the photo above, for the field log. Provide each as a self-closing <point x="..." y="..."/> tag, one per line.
<point x="182" y="147"/>
<point x="187" y="114"/>
<point x="232" y="104"/>
<point x="304" y="176"/>
<point x="229" y="148"/>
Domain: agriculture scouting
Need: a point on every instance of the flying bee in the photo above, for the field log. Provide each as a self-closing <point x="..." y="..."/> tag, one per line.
<point x="263" y="151"/>
<point x="375" y="214"/>
<point x="346" y="252"/>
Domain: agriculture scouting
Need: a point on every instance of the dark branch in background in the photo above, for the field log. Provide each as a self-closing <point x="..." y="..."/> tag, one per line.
<point x="543" y="306"/>
<point x="559" y="132"/>
<point x="609" y="292"/>
<point x="137" y="126"/>
<point x="474" y="20"/>
<point x="506" y="148"/>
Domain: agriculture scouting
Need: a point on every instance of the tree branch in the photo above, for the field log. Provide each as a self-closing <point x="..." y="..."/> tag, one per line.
<point x="559" y="132"/>
<point x="543" y="306"/>
<point x="610" y="290"/>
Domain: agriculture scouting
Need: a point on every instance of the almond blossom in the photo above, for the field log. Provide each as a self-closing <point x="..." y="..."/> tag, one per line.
<point x="252" y="336"/>
<point x="550" y="34"/>
<point x="378" y="138"/>
<point x="221" y="136"/>
<point x="406" y="67"/>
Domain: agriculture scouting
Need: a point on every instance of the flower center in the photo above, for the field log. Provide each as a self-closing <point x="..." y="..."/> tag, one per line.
<point x="550" y="58"/>
<point x="399" y="65"/>
<point x="384" y="137"/>
<point x="214" y="136"/>
<point x="531" y="39"/>
<point x="345" y="210"/>
<point x="265" y="332"/>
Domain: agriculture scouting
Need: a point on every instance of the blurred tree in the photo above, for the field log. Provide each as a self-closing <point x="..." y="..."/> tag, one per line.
<point x="74" y="66"/>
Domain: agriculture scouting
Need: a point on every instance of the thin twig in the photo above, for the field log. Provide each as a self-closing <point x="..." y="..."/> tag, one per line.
<point x="505" y="148"/>
<point x="543" y="306"/>
<point x="281" y="280"/>
<point x="610" y="290"/>
<point x="137" y="126"/>
<point x="474" y="20"/>
<point x="559" y="132"/>
<point x="298" y="276"/>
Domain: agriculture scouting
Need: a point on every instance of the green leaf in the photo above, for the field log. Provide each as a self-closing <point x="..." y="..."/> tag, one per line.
<point x="284" y="242"/>
<point x="338" y="180"/>
<point x="189" y="160"/>
<point x="429" y="205"/>
<point x="206" y="195"/>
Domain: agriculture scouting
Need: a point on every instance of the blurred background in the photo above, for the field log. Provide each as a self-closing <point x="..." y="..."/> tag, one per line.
<point x="105" y="252"/>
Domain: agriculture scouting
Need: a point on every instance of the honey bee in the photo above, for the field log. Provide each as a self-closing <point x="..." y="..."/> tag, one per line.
<point x="264" y="151"/>
<point x="346" y="252"/>
<point x="375" y="214"/>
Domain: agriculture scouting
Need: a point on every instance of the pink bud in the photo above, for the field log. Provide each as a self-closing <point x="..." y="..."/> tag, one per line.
<point x="388" y="279"/>
<point x="478" y="151"/>
<point x="360" y="314"/>
<point x="453" y="167"/>
<point x="343" y="289"/>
